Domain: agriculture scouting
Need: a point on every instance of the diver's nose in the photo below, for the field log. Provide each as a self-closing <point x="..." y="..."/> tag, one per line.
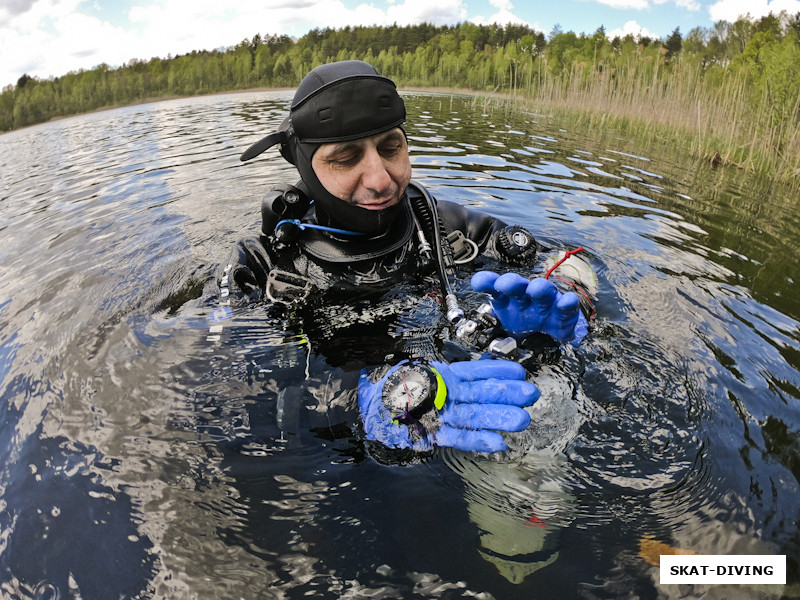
<point x="375" y="176"/>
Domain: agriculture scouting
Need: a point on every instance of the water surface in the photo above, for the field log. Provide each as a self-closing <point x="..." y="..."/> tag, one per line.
<point x="151" y="449"/>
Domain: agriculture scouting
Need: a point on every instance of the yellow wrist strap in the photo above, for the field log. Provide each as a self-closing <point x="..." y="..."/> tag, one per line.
<point x="441" y="390"/>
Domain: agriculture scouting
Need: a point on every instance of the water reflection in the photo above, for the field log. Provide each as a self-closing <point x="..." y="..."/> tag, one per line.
<point x="232" y="465"/>
<point x="55" y="501"/>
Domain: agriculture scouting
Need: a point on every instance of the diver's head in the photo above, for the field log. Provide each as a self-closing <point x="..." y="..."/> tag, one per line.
<point x="344" y="135"/>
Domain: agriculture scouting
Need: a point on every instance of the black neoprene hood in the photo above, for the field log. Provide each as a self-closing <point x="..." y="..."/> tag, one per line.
<point x="336" y="102"/>
<point x="345" y="101"/>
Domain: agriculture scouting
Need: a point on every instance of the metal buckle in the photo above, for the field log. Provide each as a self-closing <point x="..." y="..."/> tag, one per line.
<point x="464" y="249"/>
<point x="286" y="287"/>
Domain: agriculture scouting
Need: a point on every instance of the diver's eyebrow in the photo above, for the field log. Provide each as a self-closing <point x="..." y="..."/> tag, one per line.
<point x="340" y="148"/>
<point x="394" y="134"/>
<point x="345" y="146"/>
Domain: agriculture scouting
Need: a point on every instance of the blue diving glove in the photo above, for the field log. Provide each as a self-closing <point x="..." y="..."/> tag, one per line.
<point x="526" y="306"/>
<point x="463" y="405"/>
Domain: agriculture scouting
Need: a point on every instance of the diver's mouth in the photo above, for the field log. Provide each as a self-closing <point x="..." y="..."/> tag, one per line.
<point x="378" y="203"/>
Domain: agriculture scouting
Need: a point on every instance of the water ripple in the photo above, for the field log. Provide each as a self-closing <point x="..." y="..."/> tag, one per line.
<point x="236" y="466"/>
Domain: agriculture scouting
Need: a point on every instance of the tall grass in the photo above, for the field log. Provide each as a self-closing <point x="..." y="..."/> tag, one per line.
<point x="725" y="120"/>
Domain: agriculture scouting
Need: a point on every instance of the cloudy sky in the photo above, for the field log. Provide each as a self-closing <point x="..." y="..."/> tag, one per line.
<point x="46" y="38"/>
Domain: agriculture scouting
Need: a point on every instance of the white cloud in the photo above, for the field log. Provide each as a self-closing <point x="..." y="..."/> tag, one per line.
<point x="52" y="37"/>
<point x="46" y="38"/>
<point x="730" y="10"/>
<point x="692" y="5"/>
<point x="626" y="4"/>
<point x="504" y="16"/>
<point x="631" y="28"/>
<point x="444" y="12"/>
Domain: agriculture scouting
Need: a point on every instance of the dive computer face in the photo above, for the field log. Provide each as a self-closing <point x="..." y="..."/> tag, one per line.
<point x="411" y="390"/>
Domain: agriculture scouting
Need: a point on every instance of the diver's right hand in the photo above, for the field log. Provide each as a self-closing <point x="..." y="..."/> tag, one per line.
<point x="526" y="306"/>
<point x="250" y="267"/>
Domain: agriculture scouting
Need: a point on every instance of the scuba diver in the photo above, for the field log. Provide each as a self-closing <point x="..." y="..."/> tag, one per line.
<point x="356" y="225"/>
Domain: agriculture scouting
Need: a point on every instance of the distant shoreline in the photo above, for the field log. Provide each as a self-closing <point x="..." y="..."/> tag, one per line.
<point x="155" y="99"/>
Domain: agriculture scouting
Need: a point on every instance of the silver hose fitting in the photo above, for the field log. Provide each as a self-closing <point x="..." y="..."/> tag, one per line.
<point x="454" y="313"/>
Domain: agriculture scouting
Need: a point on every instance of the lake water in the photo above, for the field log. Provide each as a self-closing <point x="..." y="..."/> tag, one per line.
<point x="148" y="451"/>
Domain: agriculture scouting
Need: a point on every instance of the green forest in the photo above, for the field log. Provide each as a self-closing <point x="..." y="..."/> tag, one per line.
<point x="732" y="90"/>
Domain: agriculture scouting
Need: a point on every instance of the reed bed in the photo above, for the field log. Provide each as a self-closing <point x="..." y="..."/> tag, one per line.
<point x="722" y="122"/>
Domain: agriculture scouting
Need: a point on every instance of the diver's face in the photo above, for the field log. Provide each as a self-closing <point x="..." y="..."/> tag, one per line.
<point x="372" y="172"/>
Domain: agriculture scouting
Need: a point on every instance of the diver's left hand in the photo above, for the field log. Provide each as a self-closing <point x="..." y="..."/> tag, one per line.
<point x="483" y="398"/>
<point x="526" y="306"/>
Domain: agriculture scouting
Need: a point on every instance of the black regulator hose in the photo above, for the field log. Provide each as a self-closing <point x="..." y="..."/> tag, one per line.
<point x="429" y="216"/>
